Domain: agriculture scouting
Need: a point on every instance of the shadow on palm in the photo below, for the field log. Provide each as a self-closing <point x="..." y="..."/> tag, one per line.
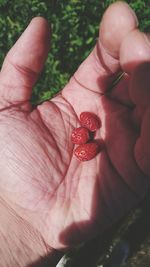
<point x="75" y="200"/>
<point x="103" y="190"/>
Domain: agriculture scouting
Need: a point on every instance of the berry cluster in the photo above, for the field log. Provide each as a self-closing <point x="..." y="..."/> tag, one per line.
<point x="82" y="136"/>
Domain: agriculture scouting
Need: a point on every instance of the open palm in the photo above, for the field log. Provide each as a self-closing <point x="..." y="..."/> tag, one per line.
<point x="66" y="200"/>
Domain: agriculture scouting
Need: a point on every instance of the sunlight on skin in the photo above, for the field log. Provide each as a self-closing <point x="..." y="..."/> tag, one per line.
<point x="68" y="201"/>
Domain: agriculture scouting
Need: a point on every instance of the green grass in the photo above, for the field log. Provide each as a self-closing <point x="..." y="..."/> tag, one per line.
<point x="75" y="25"/>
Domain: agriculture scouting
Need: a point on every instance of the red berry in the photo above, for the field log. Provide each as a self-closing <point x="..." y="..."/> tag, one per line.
<point x="87" y="151"/>
<point x="80" y="136"/>
<point x="90" y="121"/>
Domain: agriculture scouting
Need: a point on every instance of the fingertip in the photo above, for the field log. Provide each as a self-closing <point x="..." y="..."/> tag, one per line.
<point x="25" y="61"/>
<point x="134" y="51"/>
<point x="32" y="47"/>
<point x="118" y="20"/>
<point x="43" y="25"/>
<point x="41" y="21"/>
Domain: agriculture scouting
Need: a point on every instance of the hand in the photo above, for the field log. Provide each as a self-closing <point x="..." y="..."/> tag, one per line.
<point x="65" y="200"/>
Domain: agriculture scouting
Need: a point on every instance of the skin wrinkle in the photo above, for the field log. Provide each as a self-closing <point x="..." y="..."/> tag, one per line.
<point x="19" y="165"/>
<point x="59" y="104"/>
<point x="100" y="59"/>
<point x="47" y="129"/>
<point x="107" y="93"/>
<point x="64" y="126"/>
<point x="64" y="180"/>
<point x="104" y="71"/>
<point x="13" y="257"/>
<point x="71" y="194"/>
<point x="75" y="192"/>
<point x="12" y="106"/>
<point x="12" y="119"/>
<point x="82" y="85"/>
<point x="54" y="192"/>
<point x="33" y="181"/>
<point x="70" y="105"/>
<point x="59" y="170"/>
<point x="19" y="141"/>
<point x="23" y="70"/>
<point x="50" y="159"/>
<point x="26" y="251"/>
<point x="60" y="181"/>
<point x="54" y="136"/>
<point x="12" y="237"/>
<point x="40" y="239"/>
<point x="13" y="103"/>
<point x="85" y="209"/>
<point x="46" y="190"/>
<point x="69" y="211"/>
<point x="73" y="111"/>
<point x="62" y="111"/>
<point x="5" y="260"/>
<point x="55" y="162"/>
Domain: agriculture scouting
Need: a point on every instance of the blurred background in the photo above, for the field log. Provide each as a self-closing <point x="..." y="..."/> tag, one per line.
<point x="75" y="25"/>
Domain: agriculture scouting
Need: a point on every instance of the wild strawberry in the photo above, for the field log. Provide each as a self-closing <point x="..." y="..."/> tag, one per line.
<point x="80" y="136"/>
<point x="87" y="151"/>
<point x="90" y="121"/>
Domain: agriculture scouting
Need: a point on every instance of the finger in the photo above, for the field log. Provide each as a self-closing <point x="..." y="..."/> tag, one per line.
<point x="98" y="71"/>
<point x="135" y="60"/>
<point x="142" y="147"/>
<point x="140" y="91"/>
<point x="140" y="85"/>
<point x="24" y="62"/>
<point x="134" y="50"/>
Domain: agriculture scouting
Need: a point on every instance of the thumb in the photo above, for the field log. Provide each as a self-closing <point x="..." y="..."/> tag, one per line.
<point x="101" y="67"/>
<point x="23" y="63"/>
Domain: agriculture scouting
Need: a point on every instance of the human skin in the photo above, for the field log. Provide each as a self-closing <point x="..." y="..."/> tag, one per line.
<point x="48" y="199"/>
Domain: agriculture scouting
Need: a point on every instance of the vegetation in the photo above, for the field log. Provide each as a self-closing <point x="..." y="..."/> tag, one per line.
<point x="75" y="25"/>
